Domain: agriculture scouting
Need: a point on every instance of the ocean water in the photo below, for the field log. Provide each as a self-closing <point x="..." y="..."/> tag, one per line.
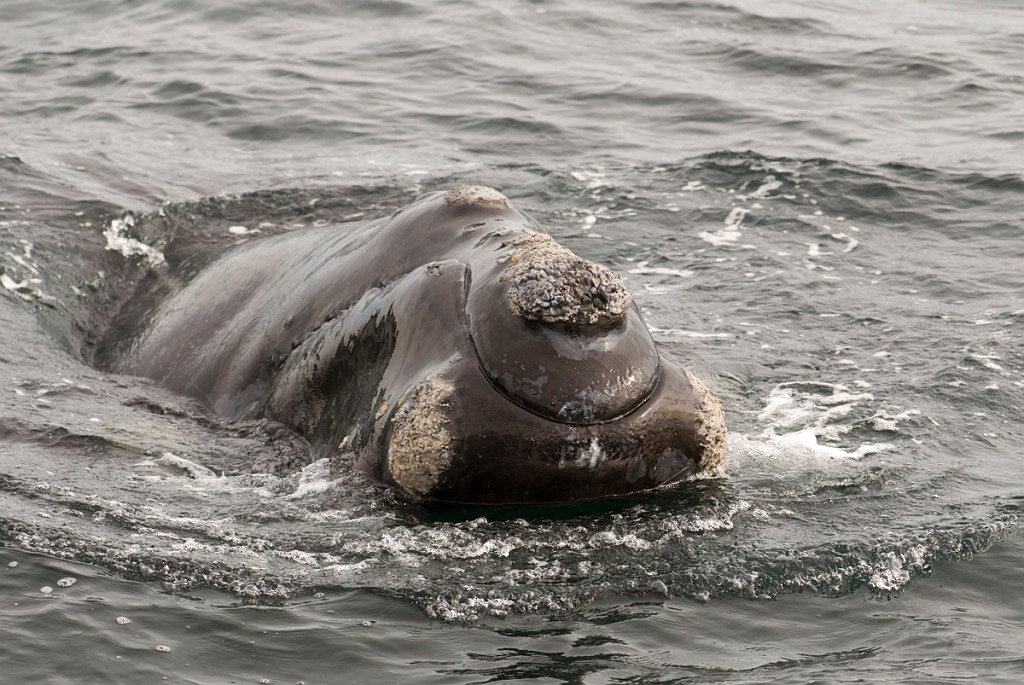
<point x="817" y="206"/>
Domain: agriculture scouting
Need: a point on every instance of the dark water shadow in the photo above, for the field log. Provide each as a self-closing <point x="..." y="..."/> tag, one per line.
<point x="687" y="495"/>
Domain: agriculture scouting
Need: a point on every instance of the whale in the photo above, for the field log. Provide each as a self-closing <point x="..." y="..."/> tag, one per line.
<point x="453" y="351"/>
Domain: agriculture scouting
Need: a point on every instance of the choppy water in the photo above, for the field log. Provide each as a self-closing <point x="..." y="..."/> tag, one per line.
<point x="818" y="208"/>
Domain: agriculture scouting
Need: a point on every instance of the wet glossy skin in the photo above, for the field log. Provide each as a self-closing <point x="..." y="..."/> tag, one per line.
<point x="458" y="353"/>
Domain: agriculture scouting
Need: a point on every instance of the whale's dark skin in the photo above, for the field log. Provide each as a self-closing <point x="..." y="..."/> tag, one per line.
<point x="458" y="353"/>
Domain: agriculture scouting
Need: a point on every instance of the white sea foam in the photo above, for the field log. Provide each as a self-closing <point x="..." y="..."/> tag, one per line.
<point x="893" y="571"/>
<point x="591" y="178"/>
<point x="799" y="424"/>
<point x="770" y="183"/>
<point x="986" y="361"/>
<point x="11" y="284"/>
<point x="797" y="446"/>
<point x="730" y="233"/>
<point x="119" y="240"/>
<point x="851" y="242"/>
<point x="26" y="288"/>
<point x="313" y="480"/>
<point x="194" y="470"/>
<point x="25" y="261"/>
<point x="643" y="268"/>
<point x="242" y="230"/>
<point x="682" y="332"/>
<point x="608" y="538"/>
<point x="890" y="422"/>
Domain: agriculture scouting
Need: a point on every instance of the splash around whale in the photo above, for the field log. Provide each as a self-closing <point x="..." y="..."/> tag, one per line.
<point x="460" y="354"/>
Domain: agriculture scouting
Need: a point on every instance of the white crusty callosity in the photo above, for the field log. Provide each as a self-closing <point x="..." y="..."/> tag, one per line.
<point x="549" y="283"/>
<point x="710" y="424"/>
<point x="476" y="195"/>
<point x="420" y="451"/>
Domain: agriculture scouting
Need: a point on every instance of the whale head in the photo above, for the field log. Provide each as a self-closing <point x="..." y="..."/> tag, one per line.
<point x="561" y="393"/>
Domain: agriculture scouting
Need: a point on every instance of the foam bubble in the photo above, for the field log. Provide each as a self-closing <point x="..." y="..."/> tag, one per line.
<point x="893" y="571"/>
<point x="313" y="480"/>
<point x="770" y="183"/>
<point x="242" y="230"/>
<point x="643" y="268"/>
<point x="11" y="284"/>
<point x="730" y="233"/>
<point x="119" y="241"/>
<point x="194" y="470"/>
<point x="800" y="446"/>
<point x="797" y="417"/>
<point x="786" y="406"/>
<point x="687" y="333"/>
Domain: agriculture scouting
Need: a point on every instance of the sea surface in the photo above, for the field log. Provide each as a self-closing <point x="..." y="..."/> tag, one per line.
<point x="818" y="206"/>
